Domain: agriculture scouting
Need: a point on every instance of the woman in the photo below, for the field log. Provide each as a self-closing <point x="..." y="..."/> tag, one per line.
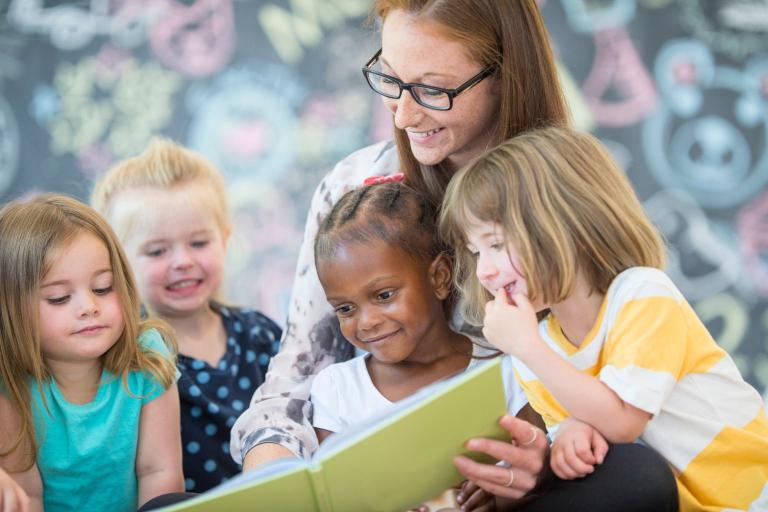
<point x="458" y="76"/>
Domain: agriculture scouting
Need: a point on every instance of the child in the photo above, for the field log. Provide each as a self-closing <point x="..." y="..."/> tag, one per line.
<point x="548" y="223"/>
<point x="87" y="401"/>
<point x="389" y="280"/>
<point x="169" y="207"/>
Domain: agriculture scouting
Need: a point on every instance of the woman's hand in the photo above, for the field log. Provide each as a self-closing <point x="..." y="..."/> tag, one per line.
<point x="13" y="498"/>
<point x="577" y="449"/>
<point x="524" y="457"/>
<point x="475" y="499"/>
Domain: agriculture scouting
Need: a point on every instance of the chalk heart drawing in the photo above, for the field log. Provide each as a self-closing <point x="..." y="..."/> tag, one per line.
<point x="700" y="262"/>
<point x="698" y="139"/>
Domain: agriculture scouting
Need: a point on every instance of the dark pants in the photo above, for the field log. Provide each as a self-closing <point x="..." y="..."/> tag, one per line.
<point x="632" y="478"/>
<point x="165" y="500"/>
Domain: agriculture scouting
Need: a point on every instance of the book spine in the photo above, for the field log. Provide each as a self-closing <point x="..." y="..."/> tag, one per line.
<point x="322" y="499"/>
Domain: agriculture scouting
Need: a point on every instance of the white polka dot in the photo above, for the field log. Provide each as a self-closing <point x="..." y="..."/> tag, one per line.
<point x="197" y="364"/>
<point x="210" y="466"/>
<point x="250" y="356"/>
<point x="222" y="392"/>
<point x="189" y="484"/>
<point x="263" y="359"/>
<point x="255" y="330"/>
<point x="244" y="383"/>
<point x="203" y="377"/>
<point x="230" y="421"/>
<point x="237" y="405"/>
<point x="193" y="447"/>
<point x="211" y="429"/>
<point x="225" y="447"/>
<point x="195" y="411"/>
<point x="194" y="390"/>
<point x="213" y="408"/>
<point x="238" y="327"/>
<point x="231" y="341"/>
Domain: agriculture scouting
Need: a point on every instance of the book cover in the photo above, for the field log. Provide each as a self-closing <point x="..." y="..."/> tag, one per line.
<point x="394" y="461"/>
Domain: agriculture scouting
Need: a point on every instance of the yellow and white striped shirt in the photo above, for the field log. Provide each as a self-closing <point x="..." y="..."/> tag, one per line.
<point x="649" y="347"/>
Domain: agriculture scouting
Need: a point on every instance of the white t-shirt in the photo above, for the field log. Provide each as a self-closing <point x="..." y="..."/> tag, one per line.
<point x="343" y="394"/>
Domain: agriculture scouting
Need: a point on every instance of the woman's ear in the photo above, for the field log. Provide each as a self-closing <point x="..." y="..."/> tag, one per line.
<point x="440" y="274"/>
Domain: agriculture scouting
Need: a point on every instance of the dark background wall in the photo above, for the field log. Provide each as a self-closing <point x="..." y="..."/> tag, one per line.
<point x="271" y="92"/>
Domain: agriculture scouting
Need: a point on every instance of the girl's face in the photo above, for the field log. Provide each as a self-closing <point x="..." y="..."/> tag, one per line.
<point x="415" y="51"/>
<point x="387" y="302"/>
<point x="80" y="314"/>
<point x="178" y="254"/>
<point x="497" y="263"/>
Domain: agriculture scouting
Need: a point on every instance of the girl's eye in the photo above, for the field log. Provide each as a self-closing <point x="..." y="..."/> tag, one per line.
<point x="386" y="295"/>
<point x="200" y="243"/>
<point x="497" y="246"/>
<point x="344" y="310"/>
<point x="102" y="291"/>
<point x="154" y="253"/>
<point x="56" y="301"/>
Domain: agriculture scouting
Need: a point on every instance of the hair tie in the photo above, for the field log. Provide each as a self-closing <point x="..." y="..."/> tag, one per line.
<point x="375" y="180"/>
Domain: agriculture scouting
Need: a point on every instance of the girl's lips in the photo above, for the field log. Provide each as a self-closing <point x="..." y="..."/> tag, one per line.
<point x="380" y="338"/>
<point x="91" y="329"/>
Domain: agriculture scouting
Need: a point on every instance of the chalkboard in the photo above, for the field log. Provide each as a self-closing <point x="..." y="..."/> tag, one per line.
<point x="271" y="92"/>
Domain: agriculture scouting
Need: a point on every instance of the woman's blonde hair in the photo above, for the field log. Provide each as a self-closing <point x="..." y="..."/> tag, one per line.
<point x="31" y="233"/>
<point x="164" y="164"/>
<point x="509" y="34"/>
<point x="562" y="202"/>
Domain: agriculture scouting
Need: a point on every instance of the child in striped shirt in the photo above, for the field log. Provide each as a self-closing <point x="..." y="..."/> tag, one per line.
<point x="557" y="259"/>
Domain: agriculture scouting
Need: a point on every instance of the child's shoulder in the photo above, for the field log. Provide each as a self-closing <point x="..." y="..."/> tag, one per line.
<point x="641" y="282"/>
<point x="345" y="371"/>
<point x="151" y="339"/>
<point x="239" y="319"/>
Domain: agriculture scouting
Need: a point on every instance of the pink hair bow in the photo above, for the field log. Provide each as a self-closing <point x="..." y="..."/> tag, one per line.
<point x="375" y="180"/>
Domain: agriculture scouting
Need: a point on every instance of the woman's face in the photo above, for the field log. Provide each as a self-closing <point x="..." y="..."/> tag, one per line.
<point x="415" y="51"/>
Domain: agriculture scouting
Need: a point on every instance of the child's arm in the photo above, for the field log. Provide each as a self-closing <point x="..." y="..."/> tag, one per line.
<point x="585" y="397"/>
<point x="158" y="459"/>
<point x="576" y="450"/>
<point x="19" y="491"/>
<point x="322" y="434"/>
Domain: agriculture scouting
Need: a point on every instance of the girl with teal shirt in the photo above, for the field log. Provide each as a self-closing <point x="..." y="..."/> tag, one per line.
<point x="88" y="406"/>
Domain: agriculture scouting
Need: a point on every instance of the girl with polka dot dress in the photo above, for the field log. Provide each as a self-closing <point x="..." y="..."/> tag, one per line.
<point x="169" y="207"/>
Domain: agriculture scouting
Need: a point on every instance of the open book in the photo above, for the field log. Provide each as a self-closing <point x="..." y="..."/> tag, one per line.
<point x="392" y="462"/>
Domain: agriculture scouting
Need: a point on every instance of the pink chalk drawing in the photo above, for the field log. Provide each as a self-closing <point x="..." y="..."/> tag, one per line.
<point x="618" y="67"/>
<point x="247" y="139"/>
<point x="752" y="226"/>
<point x="196" y="39"/>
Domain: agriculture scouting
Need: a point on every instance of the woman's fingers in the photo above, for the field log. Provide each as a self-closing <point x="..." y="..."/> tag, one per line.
<point x="494" y="478"/>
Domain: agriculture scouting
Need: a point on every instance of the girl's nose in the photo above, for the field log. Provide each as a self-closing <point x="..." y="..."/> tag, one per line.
<point x="369" y="320"/>
<point x="88" y="306"/>
<point x="181" y="259"/>
<point x="485" y="269"/>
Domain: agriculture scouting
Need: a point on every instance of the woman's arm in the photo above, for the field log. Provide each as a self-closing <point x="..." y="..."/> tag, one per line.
<point x="158" y="457"/>
<point x="277" y="421"/>
<point x="20" y="490"/>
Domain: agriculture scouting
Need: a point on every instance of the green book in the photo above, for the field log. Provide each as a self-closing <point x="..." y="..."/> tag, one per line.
<point x="392" y="462"/>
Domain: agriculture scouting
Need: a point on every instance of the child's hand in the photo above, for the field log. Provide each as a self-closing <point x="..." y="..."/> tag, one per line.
<point x="13" y="498"/>
<point x="473" y="498"/>
<point x="510" y="325"/>
<point x="576" y="450"/>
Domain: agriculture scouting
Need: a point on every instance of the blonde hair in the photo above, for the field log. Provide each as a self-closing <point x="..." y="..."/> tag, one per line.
<point x="509" y="34"/>
<point x="164" y="164"/>
<point x="30" y="234"/>
<point x="565" y="206"/>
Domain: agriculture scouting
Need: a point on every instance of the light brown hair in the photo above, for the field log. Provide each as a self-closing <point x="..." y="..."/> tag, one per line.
<point x="565" y="206"/>
<point x="31" y="233"/>
<point x="164" y="164"/>
<point x="509" y="34"/>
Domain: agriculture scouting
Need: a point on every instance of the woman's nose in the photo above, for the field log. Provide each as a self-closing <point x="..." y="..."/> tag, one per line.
<point x="405" y="110"/>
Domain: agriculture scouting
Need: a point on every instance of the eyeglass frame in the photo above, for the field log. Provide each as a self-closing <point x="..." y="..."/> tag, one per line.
<point x="404" y="86"/>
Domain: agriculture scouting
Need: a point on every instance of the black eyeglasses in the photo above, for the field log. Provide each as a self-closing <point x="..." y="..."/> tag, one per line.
<point x="436" y="98"/>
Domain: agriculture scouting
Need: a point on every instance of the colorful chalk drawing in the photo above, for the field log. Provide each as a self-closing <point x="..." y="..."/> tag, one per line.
<point x="196" y="39"/>
<point x="736" y="28"/>
<point x="752" y="226"/>
<point x="291" y="31"/>
<point x="701" y="262"/>
<point x="71" y="27"/>
<point x="246" y="121"/>
<point x="590" y="16"/>
<point x="700" y="137"/>
<point x="727" y="319"/>
<point x="108" y="104"/>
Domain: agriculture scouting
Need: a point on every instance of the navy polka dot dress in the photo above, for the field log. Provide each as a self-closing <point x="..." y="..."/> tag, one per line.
<point x="213" y="398"/>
